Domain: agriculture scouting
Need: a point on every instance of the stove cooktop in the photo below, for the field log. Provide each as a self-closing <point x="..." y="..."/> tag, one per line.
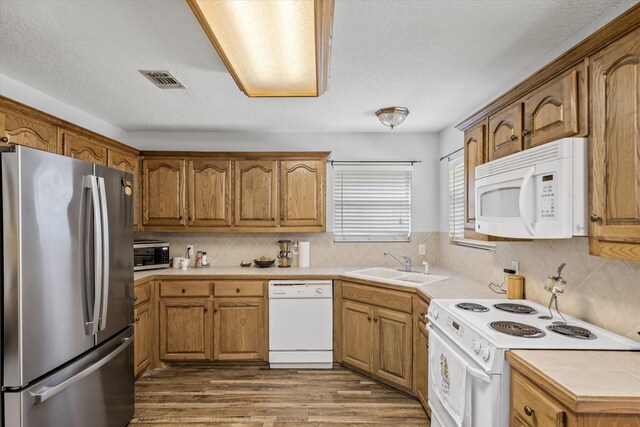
<point x="513" y="324"/>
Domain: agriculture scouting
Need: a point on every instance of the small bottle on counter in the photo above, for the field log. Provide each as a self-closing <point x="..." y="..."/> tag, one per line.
<point x="199" y="259"/>
<point x="204" y="261"/>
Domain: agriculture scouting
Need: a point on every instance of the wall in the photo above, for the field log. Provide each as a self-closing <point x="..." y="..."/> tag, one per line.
<point x="344" y="146"/>
<point x="27" y="95"/>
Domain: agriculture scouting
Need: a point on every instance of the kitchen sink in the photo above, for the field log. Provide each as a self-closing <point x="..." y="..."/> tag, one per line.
<point x="396" y="277"/>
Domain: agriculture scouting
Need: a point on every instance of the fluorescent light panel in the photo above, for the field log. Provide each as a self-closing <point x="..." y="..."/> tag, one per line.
<point x="269" y="46"/>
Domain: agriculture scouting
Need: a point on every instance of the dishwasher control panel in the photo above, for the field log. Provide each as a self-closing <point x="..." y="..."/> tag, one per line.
<point x="300" y="289"/>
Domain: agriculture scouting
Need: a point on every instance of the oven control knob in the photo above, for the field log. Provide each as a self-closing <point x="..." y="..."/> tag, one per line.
<point x="484" y="353"/>
<point x="319" y="291"/>
<point x="435" y="313"/>
<point x="476" y="346"/>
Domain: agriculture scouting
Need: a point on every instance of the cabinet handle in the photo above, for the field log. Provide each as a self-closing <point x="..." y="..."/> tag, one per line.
<point x="180" y="217"/>
<point x="594" y="218"/>
<point x="525" y="132"/>
<point x="206" y="309"/>
<point x="369" y="318"/>
<point x="273" y="218"/>
<point x="137" y="319"/>
<point x="375" y="319"/>
<point x="183" y="290"/>
<point x="135" y="298"/>
<point x="190" y="218"/>
<point x="215" y="310"/>
<point x="4" y="139"/>
<point x="514" y="137"/>
<point x="528" y="411"/>
<point x="237" y="290"/>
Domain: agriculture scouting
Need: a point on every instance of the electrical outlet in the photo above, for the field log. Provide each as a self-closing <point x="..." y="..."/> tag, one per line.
<point x="515" y="265"/>
<point x="190" y="251"/>
<point x="422" y="249"/>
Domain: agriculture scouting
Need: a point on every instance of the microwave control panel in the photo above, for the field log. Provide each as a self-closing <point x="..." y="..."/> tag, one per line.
<point x="547" y="197"/>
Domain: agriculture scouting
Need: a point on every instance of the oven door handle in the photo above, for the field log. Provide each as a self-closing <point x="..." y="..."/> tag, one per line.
<point x="477" y="373"/>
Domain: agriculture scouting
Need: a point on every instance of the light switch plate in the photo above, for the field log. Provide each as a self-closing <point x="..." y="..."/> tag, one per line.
<point x="422" y="249"/>
<point x="515" y="265"/>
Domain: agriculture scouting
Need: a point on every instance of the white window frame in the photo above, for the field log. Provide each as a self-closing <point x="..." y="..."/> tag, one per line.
<point x="366" y="199"/>
<point x="456" y="202"/>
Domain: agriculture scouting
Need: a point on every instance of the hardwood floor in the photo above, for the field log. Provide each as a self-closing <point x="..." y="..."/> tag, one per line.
<point x="257" y="396"/>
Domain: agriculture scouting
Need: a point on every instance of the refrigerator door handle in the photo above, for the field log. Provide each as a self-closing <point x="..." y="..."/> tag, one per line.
<point x="46" y="393"/>
<point x="105" y="252"/>
<point x="91" y="182"/>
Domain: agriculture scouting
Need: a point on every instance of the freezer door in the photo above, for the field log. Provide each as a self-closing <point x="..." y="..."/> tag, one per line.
<point x="116" y="311"/>
<point x="97" y="390"/>
<point x="46" y="290"/>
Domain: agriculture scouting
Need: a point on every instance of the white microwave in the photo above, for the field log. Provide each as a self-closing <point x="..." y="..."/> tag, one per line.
<point x="540" y="193"/>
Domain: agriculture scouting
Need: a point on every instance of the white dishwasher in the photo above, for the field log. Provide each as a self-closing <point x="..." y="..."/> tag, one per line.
<point x="301" y="324"/>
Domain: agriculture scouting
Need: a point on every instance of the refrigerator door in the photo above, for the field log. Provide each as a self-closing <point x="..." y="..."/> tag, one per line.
<point x="96" y="390"/>
<point x="116" y="311"/>
<point x="46" y="273"/>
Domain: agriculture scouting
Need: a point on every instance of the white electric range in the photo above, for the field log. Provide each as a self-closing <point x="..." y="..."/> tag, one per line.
<point x="468" y="374"/>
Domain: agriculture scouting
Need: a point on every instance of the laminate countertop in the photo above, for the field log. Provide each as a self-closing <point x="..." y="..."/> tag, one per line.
<point x="453" y="287"/>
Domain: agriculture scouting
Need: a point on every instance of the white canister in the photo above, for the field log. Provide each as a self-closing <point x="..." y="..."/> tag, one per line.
<point x="185" y="263"/>
<point x="177" y="262"/>
<point x="303" y="255"/>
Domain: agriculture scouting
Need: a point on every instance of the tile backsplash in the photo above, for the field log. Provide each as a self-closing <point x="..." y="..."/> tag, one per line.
<point x="601" y="291"/>
<point x="228" y="249"/>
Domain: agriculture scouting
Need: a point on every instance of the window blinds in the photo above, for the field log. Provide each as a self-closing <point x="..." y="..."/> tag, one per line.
<point x="456" y="198"/>
<point x="372" y="203"/>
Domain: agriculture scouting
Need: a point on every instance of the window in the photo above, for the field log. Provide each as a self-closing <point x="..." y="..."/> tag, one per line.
<point x="456" y="198"/>
<point x="372" y="203"/>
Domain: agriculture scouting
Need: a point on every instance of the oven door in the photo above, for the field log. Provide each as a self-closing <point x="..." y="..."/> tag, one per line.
<point x="484" y="404"/>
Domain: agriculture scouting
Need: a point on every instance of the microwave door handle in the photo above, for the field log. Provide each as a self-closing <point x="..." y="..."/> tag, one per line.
<point x="522" y="202"/>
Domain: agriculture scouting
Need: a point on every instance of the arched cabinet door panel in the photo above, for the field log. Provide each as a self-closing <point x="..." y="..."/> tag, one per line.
<point x="302" y="185"/>
<point x="256" y="193"/>
<point x="209" y="188"/>
<point x="20" y="129"/>
<point x="163" y="188"/>
<point x="505" y="132"/>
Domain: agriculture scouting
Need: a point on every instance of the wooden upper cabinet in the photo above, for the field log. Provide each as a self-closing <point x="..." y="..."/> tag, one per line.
<point x="163" y="201"/>
<point x="302" y="185"/>
<point x="256" y="193"/>
<point x="209" y="188"/>
<point x="556" y="110"/>
<point x="128" y="163"/>
<point x="615" y="149"/>
<point x="475" y="152"/>
<point x="20" y="129"/>
<point x="505" y="132"/>
<point x="80" y="147"/>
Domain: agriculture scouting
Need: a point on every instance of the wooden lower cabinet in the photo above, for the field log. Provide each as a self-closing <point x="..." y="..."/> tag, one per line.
<point x="142" y="332"/>
<point x="357" y="335"/>
<point x="378" y="341"/>
<point x="186" y="329"/>
<point x="421" y="352"/>
<point x="239" y="329"/>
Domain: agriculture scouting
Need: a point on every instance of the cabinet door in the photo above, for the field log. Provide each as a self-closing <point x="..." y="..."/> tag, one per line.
<point x="474" y="155"/>
<point x="209" y="192"/>
<point x="185" y="329"/>
<point x="24" y="130"/>
<point x="615" y="150"/>
<point x="239" y="329"/>
<point x="79" y="147"/>
<point x="551" y="112"/>
<point x="357" y="335"/>
<point x="256" y="193"/>
<point x="421" y="363"/>
<point x="142" y="337"/>
<point x="393" y="346"/>
<point x="505" y="132"/>
<point x="128" y="163"/>
<point x="163" y="192"/>
<point x="302" y="185"/>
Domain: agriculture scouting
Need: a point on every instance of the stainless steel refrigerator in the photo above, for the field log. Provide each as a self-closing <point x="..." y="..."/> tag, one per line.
<point x="67" y="291"/>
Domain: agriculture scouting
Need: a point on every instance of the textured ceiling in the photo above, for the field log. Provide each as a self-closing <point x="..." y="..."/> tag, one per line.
<point x="438" y="58"/>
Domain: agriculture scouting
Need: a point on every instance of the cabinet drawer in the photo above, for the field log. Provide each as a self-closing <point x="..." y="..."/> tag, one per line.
<point x="185" y="288"/>
<point x="229" y="288"/>
<point x="532" y="407"/>
<point x="377" y="296"/>
<point x="142" y="293"/>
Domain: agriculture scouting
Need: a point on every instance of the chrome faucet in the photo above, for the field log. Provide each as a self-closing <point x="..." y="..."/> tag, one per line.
<point x="406" y="262"/>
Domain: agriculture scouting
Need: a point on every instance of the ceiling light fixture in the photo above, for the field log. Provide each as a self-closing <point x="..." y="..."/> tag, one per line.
<point x="271" y="47"/>
<point x="392" y="116"/>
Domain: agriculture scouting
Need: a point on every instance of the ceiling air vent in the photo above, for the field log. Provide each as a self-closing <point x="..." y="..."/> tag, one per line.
<point x="162" y="78"/>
